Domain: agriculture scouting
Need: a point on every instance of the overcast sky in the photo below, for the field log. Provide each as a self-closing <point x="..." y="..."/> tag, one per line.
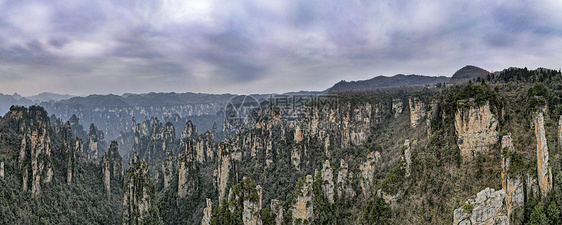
<point x="261" y="46"/>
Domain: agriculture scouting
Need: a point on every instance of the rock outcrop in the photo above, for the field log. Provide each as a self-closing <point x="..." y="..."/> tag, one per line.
<point x="407" y="156"/>
<point x="303" y="209"/>
<point x="168" y="169"/>
<point x="512" y="183"/>
<point x="35" y="149"/>
<point x="486" y="208"/>
<point x="343" y="184"/>
<point x="397" y="107"/>
<point x="207" y="212"/>
<point x="223" y="169"/>
<point x="2" y="169"/>
<point x="96" y="143"/>
<point x="543" y="166"/>
<point x="188" y="180"/>
<point x="368" y="172"/>
<point x="189" y="131"/>
<point x="139" y="201"/>
<point x="112" y="166"/>
<point x="328" y="181"/>
<point x="417" y="111"/>
<point x="476" y="128"/>
<point x="277" y="210"/>
<point x="252" y="207"/>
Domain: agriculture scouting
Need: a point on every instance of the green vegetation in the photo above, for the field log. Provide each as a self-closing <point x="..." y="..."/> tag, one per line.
<point x="376" y="212"/>
<point x="393" y="180"/>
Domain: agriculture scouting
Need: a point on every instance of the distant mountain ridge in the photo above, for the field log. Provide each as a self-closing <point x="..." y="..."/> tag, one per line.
<point x="48" y="96"/>
<point x="382" y="81"/>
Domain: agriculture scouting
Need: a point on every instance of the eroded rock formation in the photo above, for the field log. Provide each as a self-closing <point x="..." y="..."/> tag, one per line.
<point x="303" y="209"/>
<point x="486" y="208"/>
<point x="417" y="111"/>
<point x="512" y="183"/>
<point x="277" y="209"/>
<point x="139" y="201"/>
<point x="543" y="166"/>
<point x="112" y="166"/>
<point x="397" y="107"/>
<point x="207" y="213"/>
<point x="476" y="128"/>
<point x="367" y="172"/>
<point x="328" y="181"/>
<point x="345" y="177"/>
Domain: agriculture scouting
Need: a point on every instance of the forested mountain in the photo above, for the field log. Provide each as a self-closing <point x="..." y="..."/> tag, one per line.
<point x="382" y="81"/>
<point x="484" y="152"/>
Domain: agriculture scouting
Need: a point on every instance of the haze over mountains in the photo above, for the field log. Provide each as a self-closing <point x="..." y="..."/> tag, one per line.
<point x="112" y="113"/>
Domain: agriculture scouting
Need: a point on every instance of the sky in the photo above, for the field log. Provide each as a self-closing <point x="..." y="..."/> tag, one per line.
<point x="82" y="47"/>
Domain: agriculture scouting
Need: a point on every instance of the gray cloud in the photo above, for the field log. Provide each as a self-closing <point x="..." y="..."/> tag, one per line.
<point x="254" y="46"/>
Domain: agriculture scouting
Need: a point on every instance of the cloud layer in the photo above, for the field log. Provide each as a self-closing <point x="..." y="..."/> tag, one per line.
<point x="251" y="46"/>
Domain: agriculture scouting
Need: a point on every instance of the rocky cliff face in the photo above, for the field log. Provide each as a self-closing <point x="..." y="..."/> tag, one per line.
<point x="407" y="156"/>
<point x="112" y="166"/>
<point x="476" y="128"/>
<point x="2" y="169"/>
<point x="112" y="119"/>
<point x="139" y="205"/>
<point x="397" y="107"/>
<point x="252" y="207"/>
<point x="168" y="169"/>
<point x="277" y="210"/>
<point x="223" y="169"/>
<point x="328" y="181"/>
<point x="96" y="143"/>
<point x="512" y="183"/>
<point x="35" y="149"/>
<point x="543" y="166"/>
<point x="188" y="180"/>
<point x="303" y="209"/>
<point x="189" y="131"/>
<point x="368" y="171"/>
<point x="345" y="178"/>
<point x="71" y="147"/>
<point x="207" y="213"/>
<point x="417" y="111"/>
<point x="486" y="208"/>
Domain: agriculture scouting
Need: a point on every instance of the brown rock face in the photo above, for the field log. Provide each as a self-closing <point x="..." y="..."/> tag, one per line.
<point x="188" y="180"/>
<point x="367" y="172"/>
<point x="512" y="184"/>
<point x="139" y="201"/>
<point x="2" y="169"/>
<point x="223" y="170"/>
<point x="251" y="212"/>
<point x="543" y="166"/>
<point x="397" y="107"/>
<point x="417" y="111"/>
<point x="277" y="209"/>
<point x="303" y="210"/>
<point x="95" y="138"/>
<point x="407" y="156"/>
<point x="168" y="169"/>
<point x="344" y="181"/>
<point x="112" y="165"/>
<point x="328" y="181"/>
<point x="487" y="208"/>
<point x="207" y="213"/>
<point x="476" y="128"/>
